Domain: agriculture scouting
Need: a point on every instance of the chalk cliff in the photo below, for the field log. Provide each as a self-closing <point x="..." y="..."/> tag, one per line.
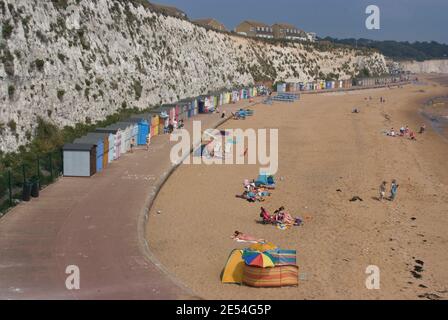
<point x="71" y="61"/>
<point x="428" y="66"/>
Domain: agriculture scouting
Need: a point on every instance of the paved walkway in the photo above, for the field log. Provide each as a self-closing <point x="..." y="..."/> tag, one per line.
<point x="96" y="224"/>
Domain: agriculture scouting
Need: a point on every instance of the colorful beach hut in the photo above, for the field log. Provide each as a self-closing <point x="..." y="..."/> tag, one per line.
<point x="116" y="141"/>
<point x="99" y="144"/>
<point x="126" y="135"/>
<point x="142" y="129"/>
<point x="108" y="139"/>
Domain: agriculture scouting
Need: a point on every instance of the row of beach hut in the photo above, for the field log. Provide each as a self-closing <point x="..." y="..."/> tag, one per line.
<point x="341" y="84"/>
<point x="313" y="85"/>
<point x="93" y="152"/>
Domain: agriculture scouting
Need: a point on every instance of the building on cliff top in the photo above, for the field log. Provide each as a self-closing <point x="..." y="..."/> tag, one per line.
<point x="288" y="31"/>
<point x="255" y="29"/>
<point x="210" y="23"/>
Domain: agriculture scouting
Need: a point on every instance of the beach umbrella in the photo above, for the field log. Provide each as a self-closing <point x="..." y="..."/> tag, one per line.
<point x="262" y="247"/>
<point x="258" y="259"/>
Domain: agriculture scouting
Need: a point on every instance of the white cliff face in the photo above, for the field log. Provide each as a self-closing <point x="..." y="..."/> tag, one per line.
<point x="428" y="66"/>
<point x="71" y="61"/>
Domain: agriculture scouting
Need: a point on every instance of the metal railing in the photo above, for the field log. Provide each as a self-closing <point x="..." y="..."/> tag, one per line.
<point x="18" y="181"/>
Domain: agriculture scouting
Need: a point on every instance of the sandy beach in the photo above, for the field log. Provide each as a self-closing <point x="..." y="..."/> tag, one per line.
<point x="323" y="148"/>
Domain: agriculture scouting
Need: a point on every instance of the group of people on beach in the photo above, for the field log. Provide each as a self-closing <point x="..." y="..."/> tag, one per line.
<point x="253" y="193"/>
<point x="280" y="216"/>
<point x="405" y="132"/>
<point x="393" y="190"/>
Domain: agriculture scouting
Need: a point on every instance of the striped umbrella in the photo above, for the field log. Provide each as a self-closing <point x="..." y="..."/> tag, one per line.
<point x="258" y="259"/>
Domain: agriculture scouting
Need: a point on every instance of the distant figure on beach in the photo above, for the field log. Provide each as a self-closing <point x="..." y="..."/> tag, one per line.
<point x="393" y="190"/>
<point x="391" y="133"/>
<point x="406" y="130"/>
<point x="132" y="144"/>
<point x="148" y="141"/>
<point x="356" y="110"/>
<point x="402" y="131"/>
<point x="412" y="135"/>
<point x="383" y="190"/>
<point x="422" y="129"/>
<point x="241" y="237"/>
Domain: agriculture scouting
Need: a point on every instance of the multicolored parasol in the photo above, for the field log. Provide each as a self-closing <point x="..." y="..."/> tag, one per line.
<point x="258" y="259"/>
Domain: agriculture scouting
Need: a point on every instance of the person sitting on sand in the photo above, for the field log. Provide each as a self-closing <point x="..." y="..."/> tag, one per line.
<point x="382" y="190"/>
<point x="241" y="237"/>
<point x="402" y="131"/>
<point x="412" y="135"/>
<point x="391" y="132"/>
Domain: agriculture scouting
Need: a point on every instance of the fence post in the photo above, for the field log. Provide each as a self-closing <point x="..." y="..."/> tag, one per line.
<point x="38" y="172"/>
<point x="51" y="167"/>
<point x="10" y="187"/>
<point x="24" y="174"/>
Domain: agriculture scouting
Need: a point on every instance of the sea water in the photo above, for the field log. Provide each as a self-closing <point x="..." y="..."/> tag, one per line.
<point x="435" y="111"/>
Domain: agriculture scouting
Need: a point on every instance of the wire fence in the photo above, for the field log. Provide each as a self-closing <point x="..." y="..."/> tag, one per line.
<point x="24" y="181"/>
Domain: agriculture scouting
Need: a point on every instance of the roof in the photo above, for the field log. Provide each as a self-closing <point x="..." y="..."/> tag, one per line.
<point x="98" y="134"/>
<point x="119" y="125"/>
<point x="286" y="26"/>
<point x="78" y="147"/>
<point x="107" y="130"/>
<point x="256" y="23"/>
<point x="88" y="140"/>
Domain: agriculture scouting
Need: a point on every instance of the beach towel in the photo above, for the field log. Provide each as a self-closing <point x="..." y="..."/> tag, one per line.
<point x="282" y="226"/>
<point x="280" y="276"/>
<point x="246" y="241"/>
<point x="283" y="257"/>
<point x="265" y="180"/>
<point x="233" y="270"/>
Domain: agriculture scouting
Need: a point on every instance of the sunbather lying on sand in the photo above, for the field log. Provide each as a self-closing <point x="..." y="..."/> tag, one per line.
<point x="251" y="196"/>
<point x="241" y="237"/>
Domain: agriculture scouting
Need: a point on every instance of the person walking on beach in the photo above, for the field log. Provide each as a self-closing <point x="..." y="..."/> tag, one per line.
<point x="382" y="191"/>
<point x="422" y="129"/>
<point x="393" y="190"/>
<point x="132" y="144"/>
<point x="148" y="141"/>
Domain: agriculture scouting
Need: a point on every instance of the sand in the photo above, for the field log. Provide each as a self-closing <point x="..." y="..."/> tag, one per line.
<point x="323" y="147"/>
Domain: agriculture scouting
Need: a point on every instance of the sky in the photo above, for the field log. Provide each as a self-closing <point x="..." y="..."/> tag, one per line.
<point x="401" y="20"/>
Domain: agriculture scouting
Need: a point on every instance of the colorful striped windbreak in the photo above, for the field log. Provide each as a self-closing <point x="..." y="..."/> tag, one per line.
<point x="271" y="277"/>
